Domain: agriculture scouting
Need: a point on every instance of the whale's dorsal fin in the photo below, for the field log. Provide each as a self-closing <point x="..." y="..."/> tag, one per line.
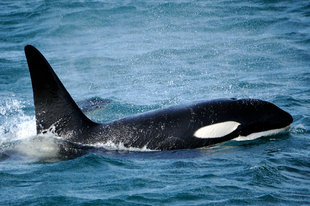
<point x="55" y="109"/>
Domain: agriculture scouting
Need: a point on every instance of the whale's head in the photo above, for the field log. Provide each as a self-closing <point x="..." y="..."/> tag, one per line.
<point x="245" y="119"/>
<point x="261" y="118"/>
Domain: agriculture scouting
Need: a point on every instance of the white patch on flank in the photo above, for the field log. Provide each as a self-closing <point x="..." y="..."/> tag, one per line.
<point x="217" y="130"/>
<point x="261" y="134"/>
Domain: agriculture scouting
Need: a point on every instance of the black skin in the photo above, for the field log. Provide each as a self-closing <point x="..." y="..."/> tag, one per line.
<point x="166" y="129"/>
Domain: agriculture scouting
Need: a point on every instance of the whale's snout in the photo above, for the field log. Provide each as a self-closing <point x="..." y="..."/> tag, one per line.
<point x="287" y="118"/>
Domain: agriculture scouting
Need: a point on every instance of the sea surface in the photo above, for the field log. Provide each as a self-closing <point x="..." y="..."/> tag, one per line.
<point x="138" y="56"/>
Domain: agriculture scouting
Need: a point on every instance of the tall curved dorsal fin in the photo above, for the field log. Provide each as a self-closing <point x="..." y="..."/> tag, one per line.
<point x="54" y="107"/>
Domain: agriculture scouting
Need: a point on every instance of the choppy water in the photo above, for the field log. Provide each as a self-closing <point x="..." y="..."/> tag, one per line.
<point x="148" y="55"/>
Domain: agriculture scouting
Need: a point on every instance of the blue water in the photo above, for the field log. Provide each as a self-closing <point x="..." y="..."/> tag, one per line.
<point x="147" y="55"/>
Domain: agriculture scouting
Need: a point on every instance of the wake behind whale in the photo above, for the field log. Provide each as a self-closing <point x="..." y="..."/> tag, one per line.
<point x="188" y="126"/>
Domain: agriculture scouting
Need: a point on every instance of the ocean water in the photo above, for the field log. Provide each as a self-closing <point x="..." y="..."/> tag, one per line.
<point x="143" y="55"/>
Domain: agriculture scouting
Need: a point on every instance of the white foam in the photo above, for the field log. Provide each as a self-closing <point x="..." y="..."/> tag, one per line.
<point x="217" y="130"/>
<point x="110" y="145"/>
<point x="26" y="127"/>
<point x="39" y="147"/>
<point x="262" y="134"/>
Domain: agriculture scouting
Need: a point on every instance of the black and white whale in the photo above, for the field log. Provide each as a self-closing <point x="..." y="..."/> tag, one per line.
<point x="177" y="127"/>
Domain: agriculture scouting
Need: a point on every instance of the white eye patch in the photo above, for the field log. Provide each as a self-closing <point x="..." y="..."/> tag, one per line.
<point x="217" y="130"/>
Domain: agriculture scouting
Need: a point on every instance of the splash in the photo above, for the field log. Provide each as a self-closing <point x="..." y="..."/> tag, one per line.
<point x="18" y="131"/>
<point x="15" y="124"/>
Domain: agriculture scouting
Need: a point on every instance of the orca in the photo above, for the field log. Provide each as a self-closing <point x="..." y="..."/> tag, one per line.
<point x="189" y="126"/>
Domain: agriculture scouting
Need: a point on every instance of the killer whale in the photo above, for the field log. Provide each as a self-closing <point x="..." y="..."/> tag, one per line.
<point x="177" y="127"/>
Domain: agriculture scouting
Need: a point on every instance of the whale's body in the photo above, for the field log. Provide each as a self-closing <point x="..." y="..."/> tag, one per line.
<point x="178" y="127"/>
